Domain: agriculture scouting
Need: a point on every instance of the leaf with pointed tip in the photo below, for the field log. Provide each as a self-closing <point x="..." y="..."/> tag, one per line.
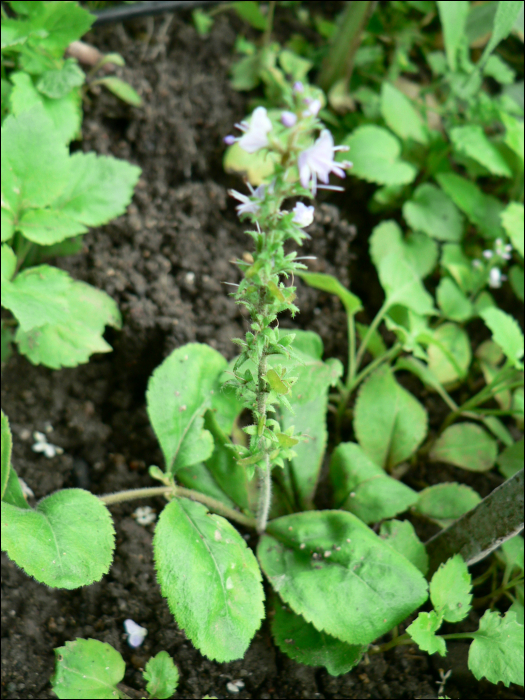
<point x="87" y="668"/>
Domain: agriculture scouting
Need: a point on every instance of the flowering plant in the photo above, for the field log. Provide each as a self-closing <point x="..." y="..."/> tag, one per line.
<point x="337" y="585"/>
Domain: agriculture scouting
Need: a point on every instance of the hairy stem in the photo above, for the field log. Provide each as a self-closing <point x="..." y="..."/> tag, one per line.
<point x="212" y="503"/>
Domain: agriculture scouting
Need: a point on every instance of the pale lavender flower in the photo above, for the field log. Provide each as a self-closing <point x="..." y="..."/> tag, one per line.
<point x="313" y="108"/>
<point x="318" y="161"/>
<point x="496" y="278"/>
<point x="298" y="86"/>
<point x="288" y="119"/>
<point x="504" y="251"/>
<point x="255" y="133"/>
<point x="303" y="215"/>
<point x="229" y="140"/>
<point x="135" y="633"/>
<point x="251" y="204"/>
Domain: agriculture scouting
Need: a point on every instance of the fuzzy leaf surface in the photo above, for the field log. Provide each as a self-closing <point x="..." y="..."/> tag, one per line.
<point x="423" y="632"/>
<point x="87" y="668"/>
<point x="362" y="487"/>
<point x="497" y="650"/>
<point x="400" y="535"/>
<point x="50" y="543"/>
<point x="449" y="353"/>
<point x="383" y="585"/>
<point x="179" y="392"/>
<point x="210" y="578"/>
<point x="389" y="422"/>
<point x="450" y="590"/>
<point x="512" y="219"/>
<point x="162" y="676"/>
<point x="400" y="114"/>
<point x="471" y="141"/>
<point x="465" y="445"/>
<point x="300" y="641"/>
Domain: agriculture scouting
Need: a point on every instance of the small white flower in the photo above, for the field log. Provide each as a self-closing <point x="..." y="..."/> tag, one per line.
<point x="313" y="108"/>
<point x="476" y="264"/>
<point x="288" y="118"/>
<point x="256" y="132"/>
<point x="298" y="86"/>
<point x="318" y="161"/>
<point x="249" y="205"/>
<point x="488" y="254"/>
<point x="303" y="215"/>
<point x="496" y="278"/>
<point x="135" y="633"/>
<point x="145" y="515"/>
<point x="42" y="445"/>
<point x="504" y="251"/>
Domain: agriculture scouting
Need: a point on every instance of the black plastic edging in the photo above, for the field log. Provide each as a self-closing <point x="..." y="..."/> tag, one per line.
<point x="121" y="13"/>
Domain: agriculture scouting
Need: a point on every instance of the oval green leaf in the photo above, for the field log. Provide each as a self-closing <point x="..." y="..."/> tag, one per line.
<point x="50" y="541"/>
<point x="344" y="579"/>
<point x="466" y="445"/>
<point x="210" y="578"/>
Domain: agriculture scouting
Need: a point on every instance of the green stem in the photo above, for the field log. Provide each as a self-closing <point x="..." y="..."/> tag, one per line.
<point x="364" y="343"/>
<point x="269" y="24"/>
<point x="212" y="503"/>
<point x="351" y="350"/>
<point x="265" y="495"/>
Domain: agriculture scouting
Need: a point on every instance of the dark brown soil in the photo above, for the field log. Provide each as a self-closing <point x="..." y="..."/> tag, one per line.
<point x="164" y="262"/>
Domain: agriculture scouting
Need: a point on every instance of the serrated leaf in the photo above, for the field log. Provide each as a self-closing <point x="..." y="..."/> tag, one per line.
<point x="35" y="160"/>
<point x="210" y="578"/>
<point x="99" y="188"/>
<point x="400" y="535"/>
<point x="446" y="502"/>
<point x="389" y="422"/>
<point x="465" y="445"/>
<point x="482" y="209"/>
<point x="506" y="333"/>
<point x="376" y="156"/>
<point x="121" y="89"/>
<point x="512" y="219"/>
<point x="423" y="632"/>
<point x="162" y="676"/>
<point x="5" y="451"/>
<point x="179" y="392"/>
<point x="63" y="23"/>
<point x="504" y="20"/>
<point x="65" y="113"/>
<point x="450" y="590"/>
<point x="453" y="16"/>
<point x="400" y="115"/>
<point x="454" y="304"/>
<point x="300" y="641"/>
<point x="362" y="487"/>
<point x="432" y="211"/>
<point x="471" y="141"/>
<point x="50" y="542"/>
<point x="69" y="340"/>
<point x="87" y="668"/>
<point x="497" y="650"/>
<point x="48" y="226"/>
<point x="58" y="82"/>
<point x="350" y="563"/>
<point x="449" y="353"/>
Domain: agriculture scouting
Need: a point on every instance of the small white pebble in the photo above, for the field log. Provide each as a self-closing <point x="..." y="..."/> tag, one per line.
<point x="190" y="277"/>
<point x="235" y="686"/>
<point x="302" y="546"/>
